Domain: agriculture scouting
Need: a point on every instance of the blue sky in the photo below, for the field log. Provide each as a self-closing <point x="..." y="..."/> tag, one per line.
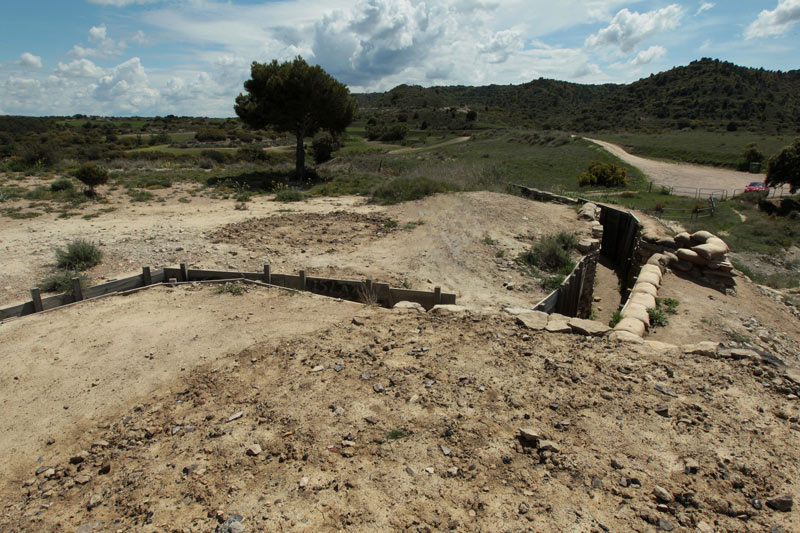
<point x="190" y="57"/>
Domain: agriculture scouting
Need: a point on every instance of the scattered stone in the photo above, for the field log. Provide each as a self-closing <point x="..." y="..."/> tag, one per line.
<point x="448" y="309"/>
<point x="232" y="525"/>
<point x="707" y="348"/>
<point x="548" y="446"/>
<point x="94" y="501"/>
<point x="662" y="494"/>
<point x="690" y="466"/>
<point x="89" y="527"/>
<point x="530" y="434"/>
<point x="535" y="320"/>
<point x="357" y="322"/>
<point x="235" y="416"/>
<point x="446" y="450"/>
<point x="371" y="420"/>
<point x="409" y="306"/>
<point x="782" y="503"/>
<point x="453" y="471"/>
<point x="82" y="479"/>
<point x="662" y="410"/>
<point x="583" y="326"/>
<point x="665" y="525"/>
<point x="597" y="483"/>
<point x="377" y="387"/>
<point x="409" y="471"/>
<point x="318" y="368"/>
<point x="665" y="391"/>
<point x="523" y="508"/>
<point x="557" y="326"/>
<point x="253" y="450"/>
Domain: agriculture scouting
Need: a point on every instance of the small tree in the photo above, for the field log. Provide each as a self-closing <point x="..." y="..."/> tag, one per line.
<point x="603" y="174"/>
<point x="784" y="167"/>
<point x="752" y="154"/>
<point x="297" y="98"/>
<point x="92" y="176"/>
<point x="472" y="115"/>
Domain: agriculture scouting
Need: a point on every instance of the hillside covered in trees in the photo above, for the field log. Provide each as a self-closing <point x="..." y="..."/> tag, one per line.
<point x="708" y="94"/>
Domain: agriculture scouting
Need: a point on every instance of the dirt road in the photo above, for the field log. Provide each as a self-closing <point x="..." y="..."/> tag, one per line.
<point x="688" y="180"/>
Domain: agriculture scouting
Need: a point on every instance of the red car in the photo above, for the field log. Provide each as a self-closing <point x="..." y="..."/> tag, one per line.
<point x="755" y="186"/>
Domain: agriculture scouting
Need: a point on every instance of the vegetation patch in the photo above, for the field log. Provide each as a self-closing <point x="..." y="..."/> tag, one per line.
<point x="78" y="255"/>
<point x="62" y="282"/>
<point x="407" y="189"/>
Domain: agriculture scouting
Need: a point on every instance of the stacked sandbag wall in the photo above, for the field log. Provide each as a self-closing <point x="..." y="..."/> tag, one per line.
<point x="635" y="314"/>
<point x="700" y="255"/>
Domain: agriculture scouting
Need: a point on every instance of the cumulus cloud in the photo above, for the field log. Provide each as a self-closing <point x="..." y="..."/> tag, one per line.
<point x="127" y="86"/>
<point x="498" y="47"/>
<point x="775" y="22"/>
<point x="705" y="6"/>
<point x="97" y="33"/>
<point x="627" y="29"/>
<point x="587" y="69"/>
<point x="26" y="59"/>
<point x="80" y="68"/>
<point x="646" y="56"/>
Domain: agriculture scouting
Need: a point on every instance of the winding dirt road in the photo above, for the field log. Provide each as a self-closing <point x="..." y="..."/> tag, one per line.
<point x="687" y="179"/>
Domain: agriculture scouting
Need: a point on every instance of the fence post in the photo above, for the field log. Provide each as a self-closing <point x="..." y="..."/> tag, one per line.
<point x="650" y="188"/>
<point x="37" y="300"/>
<point x="267" y="275"/>
<point x="184" y="272"/>
<point x="147" y="279"/>
<point x="77" y="291"/>
<point x="437" y="295"/>
<point x="303" y="279"/>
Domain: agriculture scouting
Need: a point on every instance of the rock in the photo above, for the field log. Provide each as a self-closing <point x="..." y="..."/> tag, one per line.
<point x="703" y="527"/>
<point x="235" y="416"/>
<point x="625" y="336"/>
<point x="530" y="434"/>
<point x="690" y="466"/>
<point x="665" y="525"/>
<point x="662" y="410"/>
<point x="377" y="387"/>
<point x="782" y="503"/>
<point x="535" y="320"/>
<point x="597" y="483"/>
<point x="371" y="420"/>
<point x="357" y="322"/>
<point x="318" y="368"/>
<point x="557" y="326"/>
<point x="94" y="501"/>
<point x="588" y="327"/>
<point x="90" y="527"/>
<point x="707" y="348"/>
<point x="523" y="508"/>
<point x="453" y="471"/>
<point x="409" y="306"/>
<point x="662" y="494"/>
<point x="232" y="525"/>
<point x="446" y="450"/>
<point x="448" y="309"/>
<point x="82" y="479"/>
<point x="548" y="446"/>
<point x="100" y="444"/>
<point x="253" y="450"/>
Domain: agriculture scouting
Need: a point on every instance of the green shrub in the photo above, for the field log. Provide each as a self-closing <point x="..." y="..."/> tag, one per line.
<point x="407" y="189"/>
<point x="323" y="149"/>
<point x="92" y="176"/>
<point x="62" y="282"/>
<point x="289" y="195"/>
<point x="252" y="154"/>
<point x="138" y="195"/>
<point x="616" y="316"/>
<point x="658" y="319"/>
<point x="210" y="135"/>
<point x="670" y="305"/>
<point x="217" y="156"/>
<point x="79" y="255"/>
<point x="551" y="254"/>
<point x="234" y="289"/>
<point x="62" y="184"/>
<point x="604" y="175"/>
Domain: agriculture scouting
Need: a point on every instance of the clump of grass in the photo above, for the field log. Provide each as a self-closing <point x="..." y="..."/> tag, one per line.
<point x="138" y="195"/>
<point x="670" y="305"/>
<point x="78" y="255"/>
<point x="396" y="434"/>
<point x="551" y="254"/>
<point x="390" y="224"/>
<point x="62" y="184"/>
<point x="616" y="316"/>
<point x="490" y="241"/>
<point x="234" y="289"/>
<point x="411" y="225"/>
<point x="62" y="282"/>
<point x="407" y="189"/>
<point x="289" y="195"/>
<point x="658" y="319"/>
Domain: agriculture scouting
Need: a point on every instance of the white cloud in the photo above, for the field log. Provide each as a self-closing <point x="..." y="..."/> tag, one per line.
<point x="26" y="59"/>
<point x="127" y="86"/>
<point x="97" y="33"/>
<point x="646" y="56"/>
<point x="80" y="68"/>
<point x="139" y="38"/>
<point x="587" y="69"/>
<point x="705" y="6"/>
<point x="499" y="47"/>
<point x="775" y="22"/>
<point x="627" y="29"/>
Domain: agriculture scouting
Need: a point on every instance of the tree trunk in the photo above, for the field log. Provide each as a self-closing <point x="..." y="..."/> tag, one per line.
<point x="300" y="169"/>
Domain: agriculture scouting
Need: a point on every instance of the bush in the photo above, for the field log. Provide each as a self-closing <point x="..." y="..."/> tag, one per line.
<point x="551" y="254"/>
<point x="92" y="176"/>
<point x="210" y="135"/>
<point x="289" y="195"/>
<point x="62" y="282"/>
<point x="407" y="189"/>
<point x="252" y="153"/>
<point x="604" y="175"/>
<point x="79" y="255"/>
<point x="324" y="148"/>
<point x="37" y="155"/>
<point x="217" y="156"/>
<point x="62" y="184"/>
<point x="381" y="132"/>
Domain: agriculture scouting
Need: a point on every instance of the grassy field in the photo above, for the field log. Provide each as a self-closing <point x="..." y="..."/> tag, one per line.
<point x="694" y="146"/>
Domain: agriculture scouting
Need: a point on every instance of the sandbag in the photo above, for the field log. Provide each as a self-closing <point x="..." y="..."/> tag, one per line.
<point x="710" y="251"/>
<point x="719" y="242"/>
<point x="637" y="311"/>
<point x="655" y="269"/>
<point x="683" y="266"/>
<point x="655" y="259"/>
<point x="690" y="256"/>
<point x="631" y="325"/>
<point x="645" y="288"/>
<point x="649" y="277"/>
<point x="700" y="237"/>
<point x="684" y="240"/>
<point x="647" y="300"/>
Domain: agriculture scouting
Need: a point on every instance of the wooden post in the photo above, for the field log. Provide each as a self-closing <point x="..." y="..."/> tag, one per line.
<point x="303" y="280"/>
<point x="184" y="272"/>
<point x="267" y="275"/>
<point x="437" y="295"/>
<point x="368" y="283"/>
<point x="147" y="279"/>
<point x="77" y="292"/>
<point x="37" y="300"/>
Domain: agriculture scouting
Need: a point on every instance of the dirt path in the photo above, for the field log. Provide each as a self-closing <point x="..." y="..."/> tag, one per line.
<point x="445" y="143"/>
<point x="680" y="174"/>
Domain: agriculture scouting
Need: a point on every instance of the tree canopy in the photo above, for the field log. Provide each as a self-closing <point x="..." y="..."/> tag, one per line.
<point x="297" y="98"/>
<point x="784" y="167"/>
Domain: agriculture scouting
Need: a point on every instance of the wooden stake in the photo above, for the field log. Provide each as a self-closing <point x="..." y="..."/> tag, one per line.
<point x="184" y="272"/>
<point x="267" y="275"/>
<point x="146" y="277"/>
<point x="37" y="300"/>
<point x="437" y="295"/>
<point x="77" y="291"/>
<point x="303" y="279"/>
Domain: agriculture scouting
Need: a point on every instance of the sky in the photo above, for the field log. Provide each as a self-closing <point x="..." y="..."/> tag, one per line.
<point x="190" y="57"/>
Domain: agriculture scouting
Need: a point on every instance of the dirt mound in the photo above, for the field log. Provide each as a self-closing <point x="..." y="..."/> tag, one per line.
<point x="411" y="422"/>
<point x="291" y="232"/>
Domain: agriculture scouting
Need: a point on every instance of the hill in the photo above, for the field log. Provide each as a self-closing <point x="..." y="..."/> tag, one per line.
<point x="708" y="93"/>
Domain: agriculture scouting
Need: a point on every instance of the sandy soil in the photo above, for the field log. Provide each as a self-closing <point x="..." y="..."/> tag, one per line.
<point x="682" y="175"/>
<point x="174" y="409"/>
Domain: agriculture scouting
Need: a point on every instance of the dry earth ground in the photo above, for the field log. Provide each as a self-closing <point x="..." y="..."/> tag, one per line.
<point x="167" y="373"/>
